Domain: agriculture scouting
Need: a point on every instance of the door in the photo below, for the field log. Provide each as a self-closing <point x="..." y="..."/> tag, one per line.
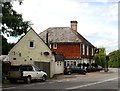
<point x="38" y="73"/>
<point x="44" y="66"/>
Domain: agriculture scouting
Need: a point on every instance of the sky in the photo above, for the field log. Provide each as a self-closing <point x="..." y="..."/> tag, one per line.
<point x="97" y="19"/>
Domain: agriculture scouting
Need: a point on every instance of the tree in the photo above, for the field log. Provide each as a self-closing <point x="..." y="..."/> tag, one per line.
<point x="6" y="46"/>
<point x="100" y="57"/>
<point x="114" y="59"/>
<point x="12" y="25"/>
<point x="12" y="22"/>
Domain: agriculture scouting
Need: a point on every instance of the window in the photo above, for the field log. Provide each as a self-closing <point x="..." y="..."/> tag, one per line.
<point x="87" y="50"/>
<point x="50" y="46"/>
<point x="54" y="46"/>
<point x="60" y="63"/>
<point x="13" y="52"/>
<point x="57" y="63"/>
<point x="14" y="58"/>
<point x="67" y="63"/>
<point x="83" y="49"/>
<point x="19" y="54"/>
<point x="92" y="51"/>
<point x="31" y="44"/>
<point x="37" y="69"/>
<point x="74" y="63"/>
<point x="71" y="63"/>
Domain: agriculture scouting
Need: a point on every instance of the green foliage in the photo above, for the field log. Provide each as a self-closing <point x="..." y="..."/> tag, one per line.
<point x="100" y="57"/>
<point x="12" y="22"/>
<point x="6" y="46"/>
<point x="114" y="59"/>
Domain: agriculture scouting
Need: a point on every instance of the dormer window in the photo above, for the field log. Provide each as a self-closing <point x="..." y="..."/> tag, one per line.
<point x="55" y="46"/>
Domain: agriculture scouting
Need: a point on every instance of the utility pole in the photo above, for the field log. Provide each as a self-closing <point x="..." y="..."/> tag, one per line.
<point x="106" y="68"/>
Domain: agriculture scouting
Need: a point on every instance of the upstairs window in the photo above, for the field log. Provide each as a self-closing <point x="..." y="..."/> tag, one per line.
<point x="54" y="46"/>
<point x="83" y="46"/>
<point x="51" y="46"/>
<point x="92" y="51"/>
<point x="31" y="44"/>
<point x="87" y="50"/>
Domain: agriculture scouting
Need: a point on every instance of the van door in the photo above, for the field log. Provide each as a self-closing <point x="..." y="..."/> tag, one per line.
<point x="38" y="73"/>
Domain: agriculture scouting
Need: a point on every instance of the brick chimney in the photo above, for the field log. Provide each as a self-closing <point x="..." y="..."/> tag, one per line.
<point x="74" y="25"/>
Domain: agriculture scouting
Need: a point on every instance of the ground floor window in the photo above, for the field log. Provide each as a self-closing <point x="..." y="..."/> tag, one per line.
<point x="74" y="63"/>
<point x="68" y="63"/>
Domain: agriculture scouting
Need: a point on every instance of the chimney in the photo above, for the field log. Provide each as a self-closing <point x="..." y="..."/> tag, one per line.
<point x="74" y="25"/>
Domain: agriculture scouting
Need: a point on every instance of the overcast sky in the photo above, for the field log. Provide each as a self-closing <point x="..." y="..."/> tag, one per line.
<point x="97" y="19"/>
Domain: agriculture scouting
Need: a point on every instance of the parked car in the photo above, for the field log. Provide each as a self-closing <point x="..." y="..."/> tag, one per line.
<point x="67" y="70"/>
<point x="99" y="68"/>
<point x="94" y="69"/>
<point x="74" y="69"/>
<point x="26" y="73"/>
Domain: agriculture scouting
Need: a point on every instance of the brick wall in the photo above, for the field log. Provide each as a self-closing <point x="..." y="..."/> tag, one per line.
<point x="68" y="50"/>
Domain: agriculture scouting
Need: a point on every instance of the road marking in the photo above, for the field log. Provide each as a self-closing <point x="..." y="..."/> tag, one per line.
<point x="50" y="82"/>
<point x="76" y="87"/>
<point x="33" y="84"/>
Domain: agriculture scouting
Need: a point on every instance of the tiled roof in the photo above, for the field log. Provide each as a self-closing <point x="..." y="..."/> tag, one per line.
<point x="84" y="40"/>
<point x="59" y="57"/>
<point x="63" y="34"/>
<point x="59" y="34"/>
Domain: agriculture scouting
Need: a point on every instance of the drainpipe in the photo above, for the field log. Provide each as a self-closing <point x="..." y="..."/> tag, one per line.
<point x="47" y="38"/>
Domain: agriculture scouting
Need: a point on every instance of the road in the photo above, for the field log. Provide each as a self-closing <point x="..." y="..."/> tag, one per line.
<point x="95" y="80"/>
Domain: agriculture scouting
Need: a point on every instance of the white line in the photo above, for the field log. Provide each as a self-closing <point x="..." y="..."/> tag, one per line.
<point x="92" y="83"/>
<point x="33" y="84"/>
<point x="50" y="82"/>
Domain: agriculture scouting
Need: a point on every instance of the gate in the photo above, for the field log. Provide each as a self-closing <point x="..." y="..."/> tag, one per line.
<point x="44" y="66"/>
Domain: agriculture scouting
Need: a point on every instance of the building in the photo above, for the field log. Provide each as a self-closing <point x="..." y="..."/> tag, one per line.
<point x="31" y="49"/>
<point x="59" y="64"/>
<point x="68" y="42"/>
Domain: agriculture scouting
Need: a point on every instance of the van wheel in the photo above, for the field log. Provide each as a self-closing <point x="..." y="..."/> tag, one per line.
<point x="44" y="78"/>
<point x="28" y="80"/>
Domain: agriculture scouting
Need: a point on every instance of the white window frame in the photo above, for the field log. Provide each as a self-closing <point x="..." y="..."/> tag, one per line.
<point x="50" y="46"/>
<point x="92" y="51"/>
<point x="33" y="44"/>
<point x="83" y="46"/>
<point x="55" y="46"/>
<point x="87" y="50"/>
<point x="57" y="63"/>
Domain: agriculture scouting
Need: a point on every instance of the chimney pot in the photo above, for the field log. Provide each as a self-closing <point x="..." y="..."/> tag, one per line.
<point x="74" y="25"/>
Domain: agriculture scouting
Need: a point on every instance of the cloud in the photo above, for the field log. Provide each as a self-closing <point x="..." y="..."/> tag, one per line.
<point x="100" y="1"/>
<point x="111" y="13"/>
<point x="97" y="19"/>
<point x="110" y="45"/>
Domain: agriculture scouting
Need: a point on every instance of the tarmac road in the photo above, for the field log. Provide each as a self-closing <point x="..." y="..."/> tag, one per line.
<point x="95" y="81"/>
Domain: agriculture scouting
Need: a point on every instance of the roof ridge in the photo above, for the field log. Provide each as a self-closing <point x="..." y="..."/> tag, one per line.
<point x="57" y="27"/>
<point x="31" y="29"/>
<point x="79" y="35"/>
